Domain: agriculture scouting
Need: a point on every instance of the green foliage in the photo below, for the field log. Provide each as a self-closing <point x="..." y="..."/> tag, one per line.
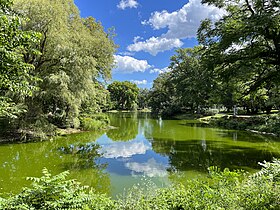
<point x="54" y="192"/>
<point x="163" y="99"/>
<point x="74" y="53"/>
<point x="51" y="61"/>
<point x="192" y="81"/>
<point x="242" y="49"/>
<point x="95" y="122"/>
<point x="16" y="78"/>
<point x="37" y="129"/>
<point x="261" y="190"/>
<point x="188" y="85"/>
<point x="237" y="62"/>
<point x="98" y="100"/>
<point x="123" y="95"/>
<point x="9" y="109"/>
<point x="223" y="190"/>
<point x="143" y="98"/>
<point x="267" y="124"/>
<point x="271" y="125"/>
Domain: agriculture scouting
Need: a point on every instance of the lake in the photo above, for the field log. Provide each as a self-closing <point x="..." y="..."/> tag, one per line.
<point x="140" y="150"/>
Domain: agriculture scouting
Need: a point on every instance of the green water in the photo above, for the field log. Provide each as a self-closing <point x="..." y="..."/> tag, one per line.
<point x="141" y="149"/>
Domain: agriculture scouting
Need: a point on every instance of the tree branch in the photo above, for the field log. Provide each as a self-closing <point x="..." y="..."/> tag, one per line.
<point x="249" y="7"/>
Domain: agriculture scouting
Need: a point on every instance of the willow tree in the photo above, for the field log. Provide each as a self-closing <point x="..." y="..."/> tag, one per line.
<point x="75" y="52"/>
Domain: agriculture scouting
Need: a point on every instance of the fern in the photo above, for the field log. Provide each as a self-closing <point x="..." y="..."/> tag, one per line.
<point x="51" y="192"/>
<point x="223" y="190"/>
<point x="270" y="170"/>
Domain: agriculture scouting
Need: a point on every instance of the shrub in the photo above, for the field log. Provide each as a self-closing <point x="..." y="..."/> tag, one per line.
<point x="267" y="124"/>
<point x="50" y="192"/>
<point x="223" y="190"/>
<point x="95" y="122"/>
<point x="39" y="128"/>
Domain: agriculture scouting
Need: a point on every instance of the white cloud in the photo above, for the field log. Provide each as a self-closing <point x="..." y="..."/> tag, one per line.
<point x="154" y="45"/>
<point x="139" y="82"/>
<point x="160" y="71"/>
<point x="135" y="39"/>
<point x="126" y="53"/>
<point x="150" y="168"/>
<point x="127" y="4"/>
<point x="128" y="64"/>
<point x="123" y="149"/>
<point x="183" y="23"/>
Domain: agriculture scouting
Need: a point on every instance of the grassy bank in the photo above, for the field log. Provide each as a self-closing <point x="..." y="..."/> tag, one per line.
<point x="263" y="124"/>
<point x="222" y="190"/>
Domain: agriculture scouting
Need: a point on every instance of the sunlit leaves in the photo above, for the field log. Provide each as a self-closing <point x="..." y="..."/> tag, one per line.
<point x="245" y="41"/>
<point x="15" y="74"/>
<point x="75" y="53"/>
<point x="123" y="95"/>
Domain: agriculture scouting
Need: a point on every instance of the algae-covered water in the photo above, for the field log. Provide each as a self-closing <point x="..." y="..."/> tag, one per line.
<point x="139" y="150"/>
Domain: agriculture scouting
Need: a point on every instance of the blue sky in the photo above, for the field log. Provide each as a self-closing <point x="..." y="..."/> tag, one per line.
<point x="148" y="32"/>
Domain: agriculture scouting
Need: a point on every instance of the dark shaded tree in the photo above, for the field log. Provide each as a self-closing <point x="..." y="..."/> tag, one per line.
<point x="123" y="95"/>
<point x="244" y="45"/>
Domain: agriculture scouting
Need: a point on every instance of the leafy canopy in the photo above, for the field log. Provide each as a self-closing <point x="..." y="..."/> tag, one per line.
<point x="75" y="53"/>
<point x="15" y="74"/>
<point x="245" y="43"/>
<point x="123" y="94"/>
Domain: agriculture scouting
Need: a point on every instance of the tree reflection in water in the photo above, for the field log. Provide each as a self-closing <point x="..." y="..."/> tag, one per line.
<point x="126" y="126"/>
<point x="84" y="165"/>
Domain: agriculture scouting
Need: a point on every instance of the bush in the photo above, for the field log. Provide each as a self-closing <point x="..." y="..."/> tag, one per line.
<point x="39" y="128"/>
<point x="95" y="122"/>
<point x="54" y="192"/>
<point x="223" y="190"/>
<point x="267" y="124"/>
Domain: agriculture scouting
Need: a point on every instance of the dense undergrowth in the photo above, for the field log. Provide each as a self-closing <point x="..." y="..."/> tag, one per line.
<point x="95" y="122"/>
<point x="42" y="129"/>
<point x="222" y="190"/>
<point x="267" y="123"/>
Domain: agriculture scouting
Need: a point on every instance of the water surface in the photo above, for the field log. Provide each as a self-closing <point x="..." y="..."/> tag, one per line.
<point x="140" y="149"/>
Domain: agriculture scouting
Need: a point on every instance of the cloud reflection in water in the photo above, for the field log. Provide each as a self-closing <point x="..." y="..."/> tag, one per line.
<point x="124" y="149"/>
<point x="150" y="168"/>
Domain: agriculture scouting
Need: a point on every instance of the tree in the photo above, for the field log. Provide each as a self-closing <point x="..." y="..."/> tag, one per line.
<point x="194" y="83"/>
<point x="16" y="78"/>
<point x="245" y="43"/>
<point x="143" y="98"/>
<point x="123" y="95"/>
<point x="189" y="86"/>
<point x="163" y="99"/>
<point x="75" y="53"/>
